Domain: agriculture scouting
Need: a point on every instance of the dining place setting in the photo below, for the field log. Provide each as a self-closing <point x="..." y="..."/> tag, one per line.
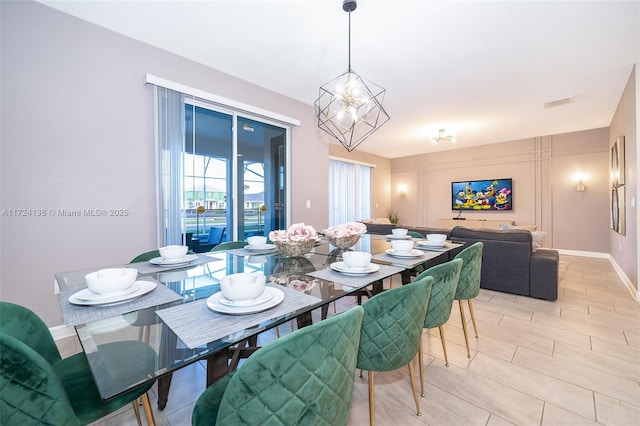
<point x="91" y="295"/>
<point x="244" y="293"/>
<point x="117" y="285"/>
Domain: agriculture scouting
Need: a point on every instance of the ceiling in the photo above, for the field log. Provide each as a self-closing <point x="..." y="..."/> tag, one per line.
<point x="482" y="70"/>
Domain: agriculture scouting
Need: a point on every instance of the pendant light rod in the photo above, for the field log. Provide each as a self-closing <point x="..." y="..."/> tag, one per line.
<point x="349" y="6"/>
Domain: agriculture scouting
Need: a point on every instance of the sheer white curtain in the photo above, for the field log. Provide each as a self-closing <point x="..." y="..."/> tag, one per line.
<point x="170" y="148"/>
<point x="349" y="192"/>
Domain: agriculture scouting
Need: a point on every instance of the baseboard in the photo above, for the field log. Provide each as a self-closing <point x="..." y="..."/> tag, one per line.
<point x="584" y="253"/>
<point x="60" y="332"/>
<point x="635" y="294"/>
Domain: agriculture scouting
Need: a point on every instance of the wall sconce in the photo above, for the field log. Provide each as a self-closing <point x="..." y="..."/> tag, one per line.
<point x="403" y="191"/>
<point x="580" y="187"/>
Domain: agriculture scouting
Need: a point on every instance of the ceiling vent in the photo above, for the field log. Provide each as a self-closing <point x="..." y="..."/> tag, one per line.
<point x="558" y="102"/>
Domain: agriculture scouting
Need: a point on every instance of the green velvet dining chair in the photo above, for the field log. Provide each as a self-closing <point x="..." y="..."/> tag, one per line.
<point x="303" y="378"/>
<point x="38" y="386"/>
<point x="391" y="331"/>
<point x="229" y="245"/>
<point x="469" y="285"/>
<point x="148" y="255"/>
<point x="445" y="282"/>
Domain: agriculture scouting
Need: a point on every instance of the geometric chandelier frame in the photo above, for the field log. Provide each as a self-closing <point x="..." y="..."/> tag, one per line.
<point x="349" y="107"/>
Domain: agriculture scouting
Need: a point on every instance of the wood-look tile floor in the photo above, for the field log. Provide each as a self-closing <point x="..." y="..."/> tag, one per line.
<point x="575" y="361"/>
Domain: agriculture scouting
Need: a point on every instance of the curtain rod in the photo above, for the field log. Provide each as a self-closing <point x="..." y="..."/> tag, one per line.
<point x="178" y="87"/>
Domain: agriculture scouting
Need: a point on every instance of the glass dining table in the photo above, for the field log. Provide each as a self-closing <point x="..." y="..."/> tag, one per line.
<point x="182" y="321"/>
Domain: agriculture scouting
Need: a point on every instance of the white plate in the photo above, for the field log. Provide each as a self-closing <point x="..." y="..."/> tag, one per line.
<point x="343" y="269"/>
<point x="393" y="237"/>
<point x="143" y="287"/>
<point x="408" y="254"/>
<point x="213" y="303"/>
<point x="431" y="244"/>
<point x="263" y="247"/>
<point x="165" y="262"/>
<point x="90" y="296"/>
<point x="263" y="298"/>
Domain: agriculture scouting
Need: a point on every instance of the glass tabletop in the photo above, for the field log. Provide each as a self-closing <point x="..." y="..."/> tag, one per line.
<point x="194" y="284"/>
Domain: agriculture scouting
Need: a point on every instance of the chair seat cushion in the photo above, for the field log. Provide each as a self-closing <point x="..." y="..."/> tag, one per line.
<point x="130" y="360"/>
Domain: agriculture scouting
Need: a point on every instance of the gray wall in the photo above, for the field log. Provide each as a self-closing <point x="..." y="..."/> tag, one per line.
<point x="77" y="133"/>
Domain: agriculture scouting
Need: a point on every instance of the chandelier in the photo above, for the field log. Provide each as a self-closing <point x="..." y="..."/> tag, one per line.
<point x="443" y="138"/>
<point x="349" y="108"/>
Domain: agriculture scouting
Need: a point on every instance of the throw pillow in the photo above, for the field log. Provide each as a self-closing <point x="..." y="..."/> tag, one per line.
<point x="505" y="225"/>
<point x="537" y="238"/>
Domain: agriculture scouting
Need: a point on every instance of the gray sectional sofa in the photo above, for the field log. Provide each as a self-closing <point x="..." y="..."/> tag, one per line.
<point x="510" y="265"/>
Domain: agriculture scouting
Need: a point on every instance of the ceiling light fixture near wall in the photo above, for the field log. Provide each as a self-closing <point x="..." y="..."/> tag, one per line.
<point x="442" y="137"/>
<point x="349" y="108"/>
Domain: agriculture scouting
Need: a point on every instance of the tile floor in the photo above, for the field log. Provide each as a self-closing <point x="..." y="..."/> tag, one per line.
<point x="575" y="361"/>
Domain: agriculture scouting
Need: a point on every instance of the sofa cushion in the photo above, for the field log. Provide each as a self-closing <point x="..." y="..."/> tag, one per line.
<point x="511" y="235"/>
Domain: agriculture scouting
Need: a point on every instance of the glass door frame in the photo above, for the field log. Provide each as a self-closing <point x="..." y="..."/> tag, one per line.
<point x="233" y="235"/>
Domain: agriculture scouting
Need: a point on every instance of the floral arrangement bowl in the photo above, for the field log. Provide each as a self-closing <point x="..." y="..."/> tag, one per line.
<point x="345" y="235"/>
<point x="296" y="241"/>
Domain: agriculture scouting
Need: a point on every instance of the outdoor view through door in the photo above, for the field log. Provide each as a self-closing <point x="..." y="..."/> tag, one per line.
<point x="227" y="200"/>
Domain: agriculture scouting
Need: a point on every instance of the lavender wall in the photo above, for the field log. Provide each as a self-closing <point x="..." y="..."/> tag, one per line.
<point x="543" y="171"/>
<point x="624" y="248"/>
<point x="77" y="133"/>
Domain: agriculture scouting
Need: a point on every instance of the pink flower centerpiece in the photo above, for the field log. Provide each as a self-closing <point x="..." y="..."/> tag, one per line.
<point x="295" y="241"/>
<point x="345" y="235"/>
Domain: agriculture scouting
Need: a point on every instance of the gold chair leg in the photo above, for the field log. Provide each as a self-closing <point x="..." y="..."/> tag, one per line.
<point x="464" y="327"/>
<point x="148" y="412"/>
<point x="413" y="387"/>
<point x="136" y="410"/>
<point x="372" y="401"/>
<point x="473" y="317"/>
<point x="421" y="366"/>
<point x="444" y="346"/>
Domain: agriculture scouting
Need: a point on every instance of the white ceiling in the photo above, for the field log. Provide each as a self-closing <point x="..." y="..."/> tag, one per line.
<point x="480" y="69"/>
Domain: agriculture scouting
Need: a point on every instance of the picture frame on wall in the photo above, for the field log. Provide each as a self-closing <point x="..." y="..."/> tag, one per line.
<point x="617" y="163"/>
<point x="617" y="182"/>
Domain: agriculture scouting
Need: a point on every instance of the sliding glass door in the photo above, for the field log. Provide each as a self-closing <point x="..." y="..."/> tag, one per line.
<point x="235" y="174"/>
<point x="261" y="186"/>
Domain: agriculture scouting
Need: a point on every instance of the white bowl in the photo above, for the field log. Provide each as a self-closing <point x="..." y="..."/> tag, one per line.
<point x="399" y="232"/>
<point x="111" y="280"/>
<point x="402" y="246"/>
<point x="242" y="286"/>
<point x="356" y="259"/>
<point x="436" y="238"/>
<point x="257" y="240"/>
<point x="173" y="252"/>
